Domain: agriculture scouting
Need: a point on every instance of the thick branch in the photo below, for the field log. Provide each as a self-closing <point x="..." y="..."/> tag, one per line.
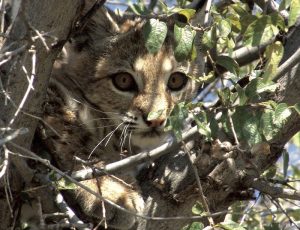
<point x="58" y="20"/>
<point x="273" y="191"/>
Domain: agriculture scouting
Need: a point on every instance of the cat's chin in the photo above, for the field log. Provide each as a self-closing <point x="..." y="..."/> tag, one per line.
<point x="151" y="139"/>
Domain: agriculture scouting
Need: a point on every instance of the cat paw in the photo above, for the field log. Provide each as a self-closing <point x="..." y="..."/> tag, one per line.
<point x="117" y="192"/>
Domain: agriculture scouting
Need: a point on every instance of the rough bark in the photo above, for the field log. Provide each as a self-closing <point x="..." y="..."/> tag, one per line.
<point x="57" y="18"/>
<point x="223" y="181"/>
<point x="170" y="187"/>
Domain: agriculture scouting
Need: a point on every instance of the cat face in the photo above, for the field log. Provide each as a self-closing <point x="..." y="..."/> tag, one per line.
<point x="138" y="89"/>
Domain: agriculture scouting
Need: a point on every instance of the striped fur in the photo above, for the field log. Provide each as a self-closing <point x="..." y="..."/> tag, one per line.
<point x="92" y="120"/>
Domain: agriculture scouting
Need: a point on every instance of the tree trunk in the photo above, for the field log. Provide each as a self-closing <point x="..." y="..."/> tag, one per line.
<point x="56" y="18"/>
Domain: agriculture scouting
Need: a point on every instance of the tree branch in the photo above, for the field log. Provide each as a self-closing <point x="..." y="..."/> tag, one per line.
<point x="272" y="190"/>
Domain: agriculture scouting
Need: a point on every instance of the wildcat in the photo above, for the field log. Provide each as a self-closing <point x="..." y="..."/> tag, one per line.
<point x="98" y="105"/>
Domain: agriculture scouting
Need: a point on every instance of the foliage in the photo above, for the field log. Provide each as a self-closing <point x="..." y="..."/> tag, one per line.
<point x="256" y="118"/>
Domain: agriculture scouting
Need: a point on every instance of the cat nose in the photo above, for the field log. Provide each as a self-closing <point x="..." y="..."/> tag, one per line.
<point x="155" y="123"/>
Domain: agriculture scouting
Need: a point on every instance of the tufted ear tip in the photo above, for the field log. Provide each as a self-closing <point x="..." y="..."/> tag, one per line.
<point x="95" y="24"/>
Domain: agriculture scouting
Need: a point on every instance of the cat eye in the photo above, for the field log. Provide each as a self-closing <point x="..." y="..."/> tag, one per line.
<point x="124" y="82"/>
<point x="177" y="81"/>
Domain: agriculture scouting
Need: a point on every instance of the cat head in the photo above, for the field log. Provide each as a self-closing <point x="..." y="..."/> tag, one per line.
<point x="120" y="76"/>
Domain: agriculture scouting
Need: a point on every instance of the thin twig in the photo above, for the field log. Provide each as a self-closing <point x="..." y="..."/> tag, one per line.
<point x="58" y="171"/>
<point x="134" y="160"/>
<point x="201" y="194"/>
<point x="207" y="13"/>
<point x="63" y="206"/>
<point x="5" y="162"/>
<point x="30" y="86"/>
<point x="13" y="135"/>
<point x="232" y="128"/>
<point x="277" y="204"/>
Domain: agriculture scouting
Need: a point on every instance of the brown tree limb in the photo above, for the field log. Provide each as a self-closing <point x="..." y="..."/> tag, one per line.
<point x="63" y="16"/>
<point x="272" y="190"/>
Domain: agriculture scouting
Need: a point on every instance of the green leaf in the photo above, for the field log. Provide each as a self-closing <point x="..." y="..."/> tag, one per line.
<point x="257" y="86"/>
<point x="154" y="115"/>
<point x="282" y="112"/>
<point x="294" y="12"/>
<point x="194" y="226"/>
<point x="274" y="53"/>
<point x="274" y="119"/>
<point x="286" y="159"/>
<point x="230" y="225"/>
<point x="224" y="96"/>
<point x="229" y="63"/>
<point x="273" y="226"/>
<point x="154" y="33"/>
<point x="270" y="172"/>
<point x="188" y="13"/>
<point x="206" y="78"/>
<point x="297" y="108"/>
<point x="223" y="28"/>
<point x="198" y="209"/>
<point x="209" y="38"/>
<point x="260" y="31"/>
<point x="184" y="38"/>
<point x="203" y="125"/>
<point x="242" y="94"/>
<point x="176" y="119"/>
<point x="65" y="184"/>
<point x="246" y="124"/>
<point x="268" y="128"/>
<point x="284" y="4"/>
<point x="296" y="139"/>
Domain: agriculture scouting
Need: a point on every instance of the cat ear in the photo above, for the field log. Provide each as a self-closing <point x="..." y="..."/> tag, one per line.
<point x="97" y="25"/>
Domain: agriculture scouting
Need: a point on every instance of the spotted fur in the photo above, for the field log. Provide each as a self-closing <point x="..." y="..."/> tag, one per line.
<point x="91" y="119"/>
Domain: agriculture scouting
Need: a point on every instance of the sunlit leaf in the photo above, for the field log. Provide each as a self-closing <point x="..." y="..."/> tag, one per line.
<point x="281" y="114"/>
<point x="65" y="184"/>
<point x="274" y="53"/>
<point x="154" y="115"/>
<point x="294" y="12"/>
<point x="273" y="226"/>
<point x="203" y="125"/>
<point x="260" y="31"/>
<point x="198" y="209"/>
<point x="223" y="28"/>
<point x="184" y="38"/>
<point x="176" y="119"/>
<point x="188" y="13"/>
<point x="209" y="38"/>
<point x="206" y="78"/>
<point x="297" y="108"/>
<point x="242" y="95"/>
<point x="230" y="225"/>
<point x="284" y="4"/>
<point x="155" y="33"/>
<point x="224" y="96"/>
<point x="194" y="226"/>
<point x="273" y="120"/>
<point x="296" y="139"/>
<point x="246" y="124"/>
<point x="228" y="63"/>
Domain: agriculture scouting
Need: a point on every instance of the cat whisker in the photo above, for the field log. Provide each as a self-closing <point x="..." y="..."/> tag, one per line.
<point x="101" y="127"/>
<point x="129" y="142"/>
<point x="112" y="132"/>
<point x="124" y="137"/>
<point x="109" y="135"/>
